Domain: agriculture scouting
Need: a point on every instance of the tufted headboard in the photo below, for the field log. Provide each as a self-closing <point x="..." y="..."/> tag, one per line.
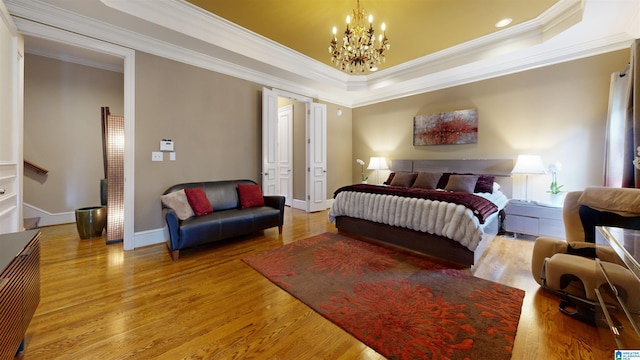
<point x="500" y="168"/>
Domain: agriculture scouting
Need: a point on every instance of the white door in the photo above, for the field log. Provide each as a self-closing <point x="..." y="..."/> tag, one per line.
<point x="269" y="142"/>
<point x="316" y="157"/>
<point x="11" y="130"/>
<point x="285" y="153"/>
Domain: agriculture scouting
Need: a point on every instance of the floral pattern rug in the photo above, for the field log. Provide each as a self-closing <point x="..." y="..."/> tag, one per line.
<point x="402" y="305"/>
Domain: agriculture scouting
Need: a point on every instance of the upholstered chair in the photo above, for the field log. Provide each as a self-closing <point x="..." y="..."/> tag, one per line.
<point x="567" y="267"/>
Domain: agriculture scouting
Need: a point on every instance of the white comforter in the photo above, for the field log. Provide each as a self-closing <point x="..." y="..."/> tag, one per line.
<point x="450" y="220"/>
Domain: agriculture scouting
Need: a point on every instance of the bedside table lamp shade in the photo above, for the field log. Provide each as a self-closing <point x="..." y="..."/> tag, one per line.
<point x="528" y="165"/>
<point x="377" y="163"/>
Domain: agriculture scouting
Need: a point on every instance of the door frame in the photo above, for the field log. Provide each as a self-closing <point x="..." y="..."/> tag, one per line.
<point x="46" y="32"/>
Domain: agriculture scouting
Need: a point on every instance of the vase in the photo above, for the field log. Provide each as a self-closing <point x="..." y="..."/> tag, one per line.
<point x="557" y="200"/>
<point x="363" y="182"/>
<point x="91" y="221"/>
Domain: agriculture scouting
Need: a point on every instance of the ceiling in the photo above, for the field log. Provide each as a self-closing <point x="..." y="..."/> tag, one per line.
<point x="415" y="28"/>
<point x="283" y="44"/>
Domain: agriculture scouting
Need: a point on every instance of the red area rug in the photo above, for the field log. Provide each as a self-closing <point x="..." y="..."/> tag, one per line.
<point x="401" y="305"/>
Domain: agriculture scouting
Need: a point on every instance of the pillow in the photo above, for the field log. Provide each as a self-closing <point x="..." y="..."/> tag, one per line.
<point x="484" y="184"/>
<point x="403" y="179"/>
<point x="250" y="195"/>
<point x="443" y="180"/>
<point x="462" y="183"/>
<point x="388" y="181"/>
<point x="198" y="201"/>
<point x="496" y="186"/>
<point x="427" y="180"/>
<point x="177" y="201"/>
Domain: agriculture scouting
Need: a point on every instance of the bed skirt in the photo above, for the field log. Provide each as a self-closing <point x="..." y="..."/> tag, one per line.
<point x="421" y="242"/>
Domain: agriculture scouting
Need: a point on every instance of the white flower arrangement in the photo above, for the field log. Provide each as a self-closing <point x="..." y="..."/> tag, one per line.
<point x="636" y="161"/>
<point x="554" y="169"/>
<point x="361" y="162"/>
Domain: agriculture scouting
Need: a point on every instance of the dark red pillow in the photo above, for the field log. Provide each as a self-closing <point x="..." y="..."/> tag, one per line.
<point x="389" y="179"/>
<point x="485" y="184"/>
<point x="198" y="201"/>
<point x="250" y="195"/>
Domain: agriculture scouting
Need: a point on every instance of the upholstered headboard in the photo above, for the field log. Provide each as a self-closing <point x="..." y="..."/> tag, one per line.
<point x="500" y="168"/>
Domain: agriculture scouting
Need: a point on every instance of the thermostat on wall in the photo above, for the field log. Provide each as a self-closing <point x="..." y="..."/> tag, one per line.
<point x="166" y="145"/>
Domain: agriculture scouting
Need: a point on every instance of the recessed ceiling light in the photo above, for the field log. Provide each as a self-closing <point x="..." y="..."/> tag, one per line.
<point x="503" y="22"/>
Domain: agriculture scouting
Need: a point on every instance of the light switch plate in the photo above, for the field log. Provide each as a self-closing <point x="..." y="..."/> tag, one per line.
<point x="172" y="156"/>
<point x="156" y="156"/>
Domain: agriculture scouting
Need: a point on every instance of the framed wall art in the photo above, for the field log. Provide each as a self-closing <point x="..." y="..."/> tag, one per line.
<point x="454" y="127"/>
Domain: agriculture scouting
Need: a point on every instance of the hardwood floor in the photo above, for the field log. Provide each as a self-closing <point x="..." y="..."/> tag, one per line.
<point x="100" y="302"/>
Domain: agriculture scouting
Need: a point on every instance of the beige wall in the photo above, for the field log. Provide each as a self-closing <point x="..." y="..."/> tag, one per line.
<point x="339" y="147"/>
<point x="558" y="112"/>
<point x="62" y="131"/>
<point x="215" y="121"/>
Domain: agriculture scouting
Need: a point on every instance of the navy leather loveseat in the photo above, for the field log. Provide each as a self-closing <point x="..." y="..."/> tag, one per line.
<point x="227" y="220"/>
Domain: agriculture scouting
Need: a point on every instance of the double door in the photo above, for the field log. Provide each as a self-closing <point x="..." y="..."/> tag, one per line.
<point x="276" y="157"/>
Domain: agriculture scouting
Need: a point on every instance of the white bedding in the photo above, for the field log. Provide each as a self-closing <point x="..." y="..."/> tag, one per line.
<point x="450" y="220"/>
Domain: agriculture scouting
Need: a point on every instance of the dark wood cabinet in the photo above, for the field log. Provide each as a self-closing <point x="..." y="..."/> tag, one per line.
<point x="19" y="288"/>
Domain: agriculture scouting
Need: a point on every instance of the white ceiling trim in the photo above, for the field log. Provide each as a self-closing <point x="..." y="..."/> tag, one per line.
<point x="6" y="19"/>
<point x="74" y="59"/>
<point x="529" y="45"/>
<point x="218" y="31"/>
<point x="41" y="13"/>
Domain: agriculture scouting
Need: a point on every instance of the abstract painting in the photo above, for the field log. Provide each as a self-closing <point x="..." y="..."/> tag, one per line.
<point x="454" y="127"/>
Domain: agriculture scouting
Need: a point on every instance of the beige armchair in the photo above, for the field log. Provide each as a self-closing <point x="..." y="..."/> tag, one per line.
<point x="567" y="267"/>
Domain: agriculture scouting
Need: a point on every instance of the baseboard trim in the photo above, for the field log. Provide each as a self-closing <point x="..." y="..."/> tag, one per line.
<point x="150" y="237"/>
<point x="47" y="218"/>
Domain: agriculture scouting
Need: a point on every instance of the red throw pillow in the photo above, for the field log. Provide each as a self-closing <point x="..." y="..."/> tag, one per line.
<point x="198" y="201"/>
<point x="250" y="195"/>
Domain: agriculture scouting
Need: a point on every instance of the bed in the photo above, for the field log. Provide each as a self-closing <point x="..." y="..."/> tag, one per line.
<point x="444" y="228"/>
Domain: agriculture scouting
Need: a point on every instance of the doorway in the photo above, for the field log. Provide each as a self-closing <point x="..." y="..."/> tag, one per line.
<point x="294" y="164"/>
<point x="127" y="56"/>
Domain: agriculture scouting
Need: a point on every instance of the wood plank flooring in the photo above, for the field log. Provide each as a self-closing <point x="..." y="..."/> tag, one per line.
<point x="100" y="302"/>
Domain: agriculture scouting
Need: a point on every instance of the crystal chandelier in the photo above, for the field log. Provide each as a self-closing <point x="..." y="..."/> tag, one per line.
<point x="359" y="50"/>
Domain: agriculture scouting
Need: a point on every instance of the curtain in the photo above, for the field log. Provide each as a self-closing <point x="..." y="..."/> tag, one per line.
<point x="623" y="126"/>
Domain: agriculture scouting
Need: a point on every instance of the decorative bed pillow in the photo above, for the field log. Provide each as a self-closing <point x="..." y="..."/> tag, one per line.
<point x="389" y="179"/>
<point x="403" y="179"/>
<point x="462" y="183"/>
<point x="484" y="184"/>
<point x="250" y="195"/>
<point x="198" y="201"/>
<point x="496" y="186"/>
<point x="177" y="201"/>
<point x="427" y="180"/>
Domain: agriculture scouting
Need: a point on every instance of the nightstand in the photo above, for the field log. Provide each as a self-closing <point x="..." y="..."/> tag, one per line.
<point x="534" y="219"/>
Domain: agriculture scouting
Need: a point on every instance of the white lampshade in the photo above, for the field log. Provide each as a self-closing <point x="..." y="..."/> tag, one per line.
<point x="377" y="163"/>
<point x="528" y="164"/>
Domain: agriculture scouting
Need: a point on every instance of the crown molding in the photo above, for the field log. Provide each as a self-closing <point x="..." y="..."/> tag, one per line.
<point x="217" y="31"/>
<point x="6" y="19"/>
<point x="490" y="68"/>
<point x="237" y="52"/>
<point x="74" y="59"/>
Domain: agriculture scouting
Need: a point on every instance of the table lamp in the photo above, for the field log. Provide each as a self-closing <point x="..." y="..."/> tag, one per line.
<point x="377" y="163"/>
<point x="528" y="165"/>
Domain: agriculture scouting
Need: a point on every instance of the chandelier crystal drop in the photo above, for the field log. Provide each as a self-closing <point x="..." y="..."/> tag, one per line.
<point x="360" y="51"/>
